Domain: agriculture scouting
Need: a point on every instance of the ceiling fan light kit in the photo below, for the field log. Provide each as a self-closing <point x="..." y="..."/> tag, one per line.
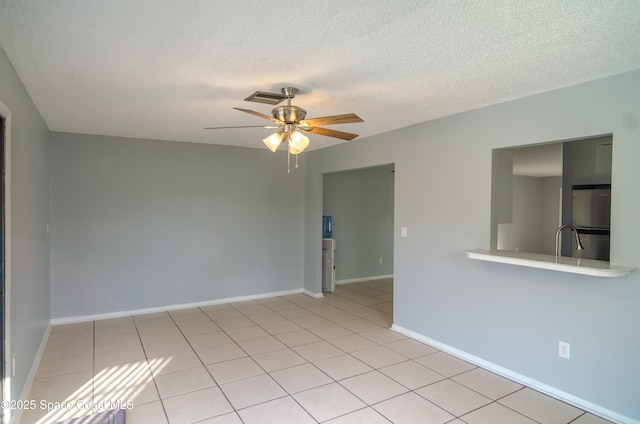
<point x="298" y="142"/>
<point x="291" y="120"/>
<point x="274" y="140"/>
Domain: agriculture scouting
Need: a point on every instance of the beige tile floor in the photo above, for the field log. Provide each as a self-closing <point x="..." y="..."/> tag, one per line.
<point x="291" y="359"/>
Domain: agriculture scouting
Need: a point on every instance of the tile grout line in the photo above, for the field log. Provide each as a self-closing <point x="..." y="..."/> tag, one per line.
<point x="333" y="380"/>
<point x="526" y="416"/>
<point x="287" y="394"/>
<point x="164" y="410"/>
<point x="93" y="364"/>
<point x="202" y="362"/>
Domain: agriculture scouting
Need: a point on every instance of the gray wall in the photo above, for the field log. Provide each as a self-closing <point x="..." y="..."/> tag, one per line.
<point x="361" y="205"/>
<point x="29" y="280"/>
<point x="523" y="233"/>
<point x="510" y="316"/>
<point x="140" y="224"/>
<point x="535" y="217"/>
<point x="550" y="213"/>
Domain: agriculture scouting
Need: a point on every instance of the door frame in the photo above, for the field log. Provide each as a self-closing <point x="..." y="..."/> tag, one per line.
<point x="7" y="370"/>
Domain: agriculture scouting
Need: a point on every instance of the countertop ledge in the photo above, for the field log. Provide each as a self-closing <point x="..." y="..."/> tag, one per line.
<point x="562" y="263"/>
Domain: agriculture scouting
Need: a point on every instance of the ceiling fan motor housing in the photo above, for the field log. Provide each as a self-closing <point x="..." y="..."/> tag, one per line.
<point x="289" y="114"/>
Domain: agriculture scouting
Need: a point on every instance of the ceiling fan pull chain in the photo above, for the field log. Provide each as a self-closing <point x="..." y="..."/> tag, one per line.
<point x="296" y="161"/>
<point x="288" y="160"/>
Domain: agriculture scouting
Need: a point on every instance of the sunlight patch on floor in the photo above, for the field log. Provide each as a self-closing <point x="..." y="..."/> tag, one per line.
<point x="114" y="387"/>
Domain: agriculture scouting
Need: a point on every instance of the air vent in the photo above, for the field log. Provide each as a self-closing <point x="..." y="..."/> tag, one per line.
<point x="264" y="97"/>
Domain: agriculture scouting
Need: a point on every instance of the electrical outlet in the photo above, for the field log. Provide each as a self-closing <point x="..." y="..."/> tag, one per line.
<point x="564" y="350"/>
<point x="380" y="260"/>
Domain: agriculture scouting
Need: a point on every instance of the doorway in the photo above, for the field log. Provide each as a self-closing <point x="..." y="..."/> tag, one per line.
<point x="361" y="205"/>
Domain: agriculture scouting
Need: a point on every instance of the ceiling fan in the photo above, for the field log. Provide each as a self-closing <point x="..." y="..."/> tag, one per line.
<point x="290" y="121"/>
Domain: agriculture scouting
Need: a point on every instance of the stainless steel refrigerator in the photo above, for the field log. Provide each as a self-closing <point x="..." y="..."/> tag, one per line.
<point x="591" y="215"/>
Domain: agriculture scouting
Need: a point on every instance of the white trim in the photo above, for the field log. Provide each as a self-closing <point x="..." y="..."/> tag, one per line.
<point x="312" y="294"/>
<point x="359" y="280"/>
<point x="118" y="314"/>
<point x="6" y="370"/>
<point x="519" y="378"/>
<point x="30" y="377"/>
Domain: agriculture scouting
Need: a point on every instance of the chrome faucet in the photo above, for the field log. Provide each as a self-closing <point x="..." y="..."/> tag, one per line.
<point x="575" y="230"/>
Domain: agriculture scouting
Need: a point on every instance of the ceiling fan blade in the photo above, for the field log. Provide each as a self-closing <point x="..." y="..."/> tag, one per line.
<point x="347" y="118"/>
<point x="243" y="126"/>
<point x="331" y="133"/>
<point x="261" y="115"/>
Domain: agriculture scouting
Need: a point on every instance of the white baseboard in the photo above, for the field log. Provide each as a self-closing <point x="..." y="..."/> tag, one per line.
<point x="519" y="378"/>
<point x="118" y="314"/>
<point x="15" y="415"/>
<point x="360" y="280"/>
<point x="313" y="294"/>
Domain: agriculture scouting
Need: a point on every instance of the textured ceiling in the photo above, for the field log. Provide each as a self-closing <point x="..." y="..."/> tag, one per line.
<point x="165" y="69"/>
